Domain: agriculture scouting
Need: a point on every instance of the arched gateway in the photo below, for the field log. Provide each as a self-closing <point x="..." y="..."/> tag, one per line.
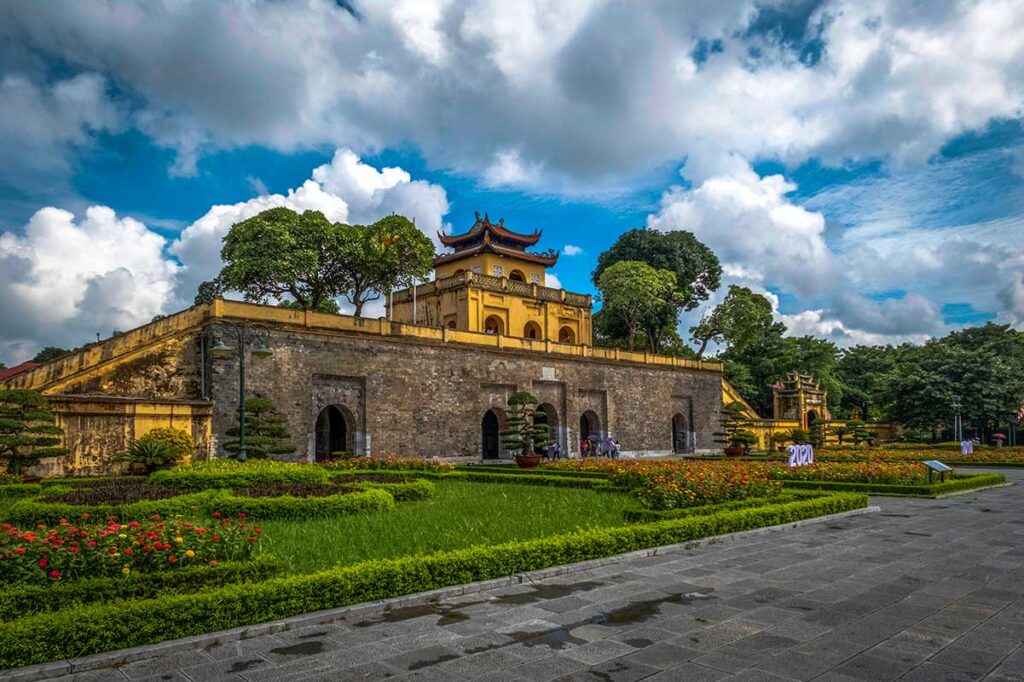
<point x="334" y="432"/>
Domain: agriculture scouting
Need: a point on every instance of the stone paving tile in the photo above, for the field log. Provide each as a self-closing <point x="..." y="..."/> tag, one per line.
<point x="924" y="590"/>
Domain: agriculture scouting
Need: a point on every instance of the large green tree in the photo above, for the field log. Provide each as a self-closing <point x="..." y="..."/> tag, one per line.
<point x="697" y="270"/>
<point x="280" y="253"/>
<point x="739" y="320"/>
<point x="634" y="293"/>
<point x="862" y="370"/>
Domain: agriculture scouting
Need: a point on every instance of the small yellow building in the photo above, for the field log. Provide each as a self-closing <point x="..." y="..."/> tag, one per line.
<point x="490" y="283"/>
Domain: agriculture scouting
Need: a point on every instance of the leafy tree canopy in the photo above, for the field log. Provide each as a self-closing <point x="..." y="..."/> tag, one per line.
<point x="637" y="295"/>
<point x="742" y="318"/>
<point x="50" y="353"/>
<point x="280" y="253"/>
<point x="327" y="306"/>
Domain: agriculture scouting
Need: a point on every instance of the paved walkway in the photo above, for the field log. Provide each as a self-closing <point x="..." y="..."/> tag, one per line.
<point x="925" y="590"/>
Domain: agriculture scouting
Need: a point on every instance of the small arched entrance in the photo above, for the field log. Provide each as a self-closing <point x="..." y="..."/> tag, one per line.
<point x="494" y="325"/>
<point x="812" y="417"/>
<point x="548" y="417"/>
<point x="532" y="330"/>
<point x="566" y="335"/>
<point x="490" y="429"/>
<point x="590" y="425"/>
<point x="680" y="435"/>
<point x="516" y="276"/>
<point x="334" y="432"/>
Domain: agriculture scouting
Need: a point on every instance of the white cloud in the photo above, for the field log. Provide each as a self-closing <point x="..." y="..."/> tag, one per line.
<point x="509" y="170"/>
<point x="66" y="280"/>
<point x="571" y="250"/>
<point x="551" y="280"/>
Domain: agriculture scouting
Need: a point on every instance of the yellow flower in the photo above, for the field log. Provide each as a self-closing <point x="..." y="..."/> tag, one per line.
<point x="190" y="554"/>
<point x="126" y="570"/>
<point x="179" y="540"/>
<point x="116" y="554"/>
<point x="121" y="535"/>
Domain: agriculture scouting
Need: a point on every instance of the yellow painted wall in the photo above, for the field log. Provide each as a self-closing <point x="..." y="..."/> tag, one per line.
<point x="488" y="261"/>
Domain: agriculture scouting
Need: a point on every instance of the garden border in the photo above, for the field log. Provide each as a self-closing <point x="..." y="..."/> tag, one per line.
<point x="108" y="659"/>
<point x="969" y="483"/>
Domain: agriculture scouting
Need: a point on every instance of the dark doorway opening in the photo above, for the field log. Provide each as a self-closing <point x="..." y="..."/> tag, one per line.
<point x="491" y="428"/>
<point x="332" y="433"/>
<point x="680" y="437"/>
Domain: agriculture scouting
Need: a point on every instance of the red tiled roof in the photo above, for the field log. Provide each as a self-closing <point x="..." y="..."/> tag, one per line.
<point x="546" y="259"/>
<point x="9" y="372"/>
<point x="484" y="227"/>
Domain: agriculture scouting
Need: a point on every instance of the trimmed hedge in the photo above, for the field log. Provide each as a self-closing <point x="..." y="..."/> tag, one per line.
<point x="20" y="489"/>
<point x="958" y="483"/>
<point x="288" y="507"/>
<point x="641" y="515"/>
<point x="32" y="511"/>
<point x="538" y="471"/>
<point x="415" y="489"/>
<point x="18" y="601"/>
<point x="84" y="630"/>
<point x="231" y="474"/>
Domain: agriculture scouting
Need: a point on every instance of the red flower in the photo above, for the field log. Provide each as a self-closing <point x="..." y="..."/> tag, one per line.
<point x="20" y="550"/>
<point x="43" y="562"/>
<point x="216" y="515"/>
<point x="72" y="549"/>
<point x="55" y="575"/>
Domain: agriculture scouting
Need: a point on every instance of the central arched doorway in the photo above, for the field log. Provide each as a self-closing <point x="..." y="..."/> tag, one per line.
<point x="566" y="335"/>
<point x="490" y="429"/>
<point x="333" y="433"/>
<point x="680" y="435"/>
<point x="812" y="417"/>
<point x="548" y="416"/>
<point x="532" y="330"/>
<point x="590" y="427"/>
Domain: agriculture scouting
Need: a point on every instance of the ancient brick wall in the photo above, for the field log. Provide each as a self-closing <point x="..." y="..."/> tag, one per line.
<point x="420" y="398"/>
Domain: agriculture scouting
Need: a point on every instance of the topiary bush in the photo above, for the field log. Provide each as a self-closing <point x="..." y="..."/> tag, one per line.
<point x="179" y="443"/>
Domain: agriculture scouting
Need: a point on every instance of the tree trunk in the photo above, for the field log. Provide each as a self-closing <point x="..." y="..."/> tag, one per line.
<point x="703" y="347"/>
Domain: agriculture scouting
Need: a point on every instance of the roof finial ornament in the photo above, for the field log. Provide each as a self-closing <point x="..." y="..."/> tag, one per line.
<point x="487" y="218"/>
<point x="477" y="214"/>
<point x="501" y="221"/>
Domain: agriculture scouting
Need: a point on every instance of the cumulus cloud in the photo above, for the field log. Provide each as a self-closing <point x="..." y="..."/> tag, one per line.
<point x="67" y="279"/>
<point x="571" y="250"/>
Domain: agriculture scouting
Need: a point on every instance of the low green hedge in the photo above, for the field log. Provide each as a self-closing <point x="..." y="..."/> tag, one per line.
<point x="415" y="489"/>
<point x="958" y="483"/>
<point x="232" y="474"/>
<point x="20" y="489"/>
<point x="84" y="630"/>
<point x="537" y="471"/>
<point x="288" y="507"/>
<point x="18" y="601"/>
<point x="86" y="480"/>
<point x="32" y="511"/>
<point x="641" y="515"/>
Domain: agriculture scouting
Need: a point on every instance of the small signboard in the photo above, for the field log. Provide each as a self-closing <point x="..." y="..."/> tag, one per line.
<point x="936" y="465"/>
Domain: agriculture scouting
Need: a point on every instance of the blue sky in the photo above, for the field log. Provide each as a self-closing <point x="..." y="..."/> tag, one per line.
<point x="861" y="163"/>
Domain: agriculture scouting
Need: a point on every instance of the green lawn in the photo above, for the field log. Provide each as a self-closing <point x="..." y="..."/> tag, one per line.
<point x="459" y="515"/>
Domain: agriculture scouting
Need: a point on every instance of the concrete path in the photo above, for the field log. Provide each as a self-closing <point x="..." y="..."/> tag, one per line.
<point x="925" y="590"/>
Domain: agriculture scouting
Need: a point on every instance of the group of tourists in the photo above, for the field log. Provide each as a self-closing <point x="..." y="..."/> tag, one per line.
<point x="599" y="447"/>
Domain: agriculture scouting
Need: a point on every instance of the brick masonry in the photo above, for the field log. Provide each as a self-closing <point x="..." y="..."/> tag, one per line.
<point x="417" y="397"/>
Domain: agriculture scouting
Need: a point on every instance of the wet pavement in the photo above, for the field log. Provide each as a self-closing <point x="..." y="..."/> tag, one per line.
<point x="924" y="590"/>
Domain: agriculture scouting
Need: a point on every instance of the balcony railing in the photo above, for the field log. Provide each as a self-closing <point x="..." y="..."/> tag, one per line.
<point x="496" y="284"/>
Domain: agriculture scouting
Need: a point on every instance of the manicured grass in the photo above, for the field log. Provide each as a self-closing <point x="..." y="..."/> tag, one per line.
<point x="459" y="515"/>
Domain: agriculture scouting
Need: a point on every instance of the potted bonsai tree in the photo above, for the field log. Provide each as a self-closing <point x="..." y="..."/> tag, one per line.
<point x="736" y="439"/>
<point x="524" y="435"/>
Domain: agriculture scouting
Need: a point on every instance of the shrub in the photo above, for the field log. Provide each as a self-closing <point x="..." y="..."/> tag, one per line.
<point x="33" y="511"/>
<point x="71" y="552"/>
<point x="227" y="473"/>
<point x="143" y="457"/>
<point x="896" y="473"/>
<point x="177" y="441"/>
<point x="266" y="431"/>
<point x="17" y="601"/>
<point x="80" y="631"/>
<point x="282" y="488"/>
<point x="27" y="429"/>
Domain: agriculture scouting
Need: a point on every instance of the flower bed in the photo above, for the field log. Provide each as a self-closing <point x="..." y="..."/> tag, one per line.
<point x="282" y="488"/>
<point x="74" y="551"/>
<point x="890" y="473"/>
<point x="1012" y="456"/>
<point x="110" y="492"/>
